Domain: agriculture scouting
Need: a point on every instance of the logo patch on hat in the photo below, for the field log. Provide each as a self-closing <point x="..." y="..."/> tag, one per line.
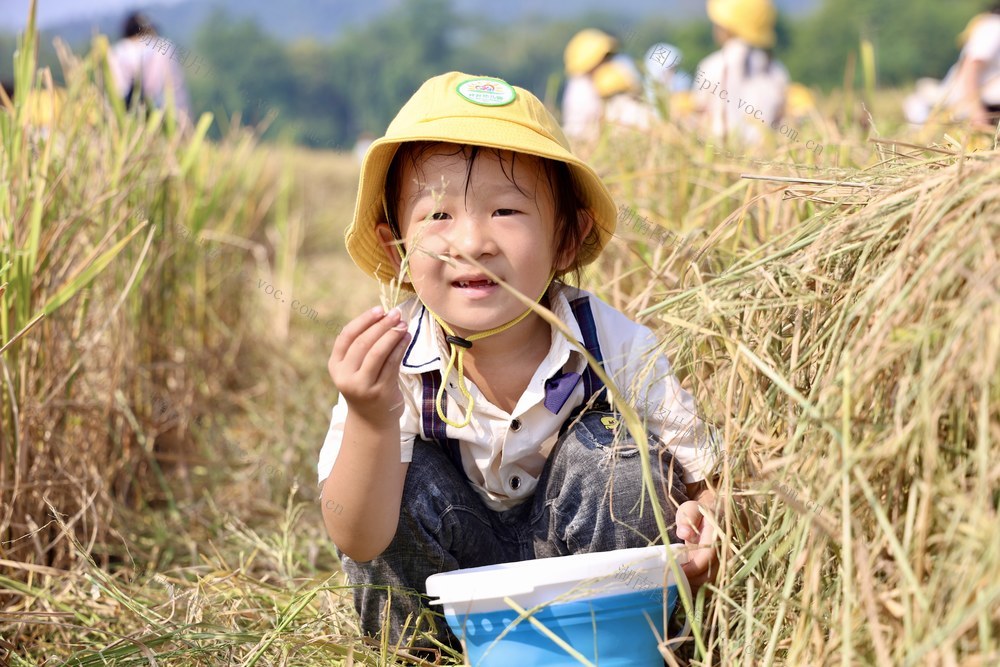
<point x="487" y="92"/>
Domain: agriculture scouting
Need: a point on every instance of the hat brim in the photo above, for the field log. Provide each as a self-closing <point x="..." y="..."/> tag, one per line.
<point x="360" y="238"/>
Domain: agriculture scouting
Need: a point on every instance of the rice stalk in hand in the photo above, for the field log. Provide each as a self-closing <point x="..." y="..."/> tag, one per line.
<point x="389" y="295"/>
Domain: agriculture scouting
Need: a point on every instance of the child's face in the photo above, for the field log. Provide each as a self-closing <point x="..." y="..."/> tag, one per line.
<point x="506" y="224"/>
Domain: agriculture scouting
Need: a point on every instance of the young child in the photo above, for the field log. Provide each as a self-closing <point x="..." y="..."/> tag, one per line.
<point x="581" y="104"/>
<point x="740" y="89"/>
<point x="143" y="67"/>
<point x="973" y="90"/>
<point x="620" y="87"/>
<point x="468" y="430"/>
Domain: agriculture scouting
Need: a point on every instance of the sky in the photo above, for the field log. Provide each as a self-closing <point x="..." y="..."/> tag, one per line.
<point x="14" y="13"/>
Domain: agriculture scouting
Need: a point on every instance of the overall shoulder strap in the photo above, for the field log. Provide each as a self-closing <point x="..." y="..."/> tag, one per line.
<point x="435" y="429"/>
<point x="592" y="384"/>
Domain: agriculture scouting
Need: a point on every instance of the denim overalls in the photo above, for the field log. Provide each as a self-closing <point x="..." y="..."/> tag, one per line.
<point x="587" y="499"/>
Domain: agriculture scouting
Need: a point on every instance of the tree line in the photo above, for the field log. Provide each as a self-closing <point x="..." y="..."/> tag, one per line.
<point x="326" y="94"/>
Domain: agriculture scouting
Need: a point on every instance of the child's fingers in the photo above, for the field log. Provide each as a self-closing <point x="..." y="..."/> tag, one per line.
<point x="702" y="562"/>
<point x="378" y="354"/>
<point x="700" y="567"/>
<point x="689" y="521"/>
<point x="389" y="375"/>
<point x="686" y="532"/>
<point x="353" y="328"/>
<point x="362" y="344"/>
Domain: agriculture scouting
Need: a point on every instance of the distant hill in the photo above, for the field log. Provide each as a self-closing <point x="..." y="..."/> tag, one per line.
<point x="325" y="19"/>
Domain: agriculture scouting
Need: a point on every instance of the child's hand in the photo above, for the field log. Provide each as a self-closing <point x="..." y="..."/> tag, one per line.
<point x="697" y="529"/>
<point x="365" y="363"/>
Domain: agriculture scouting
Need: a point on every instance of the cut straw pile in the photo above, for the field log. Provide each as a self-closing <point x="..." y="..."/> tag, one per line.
<point x="853" y="364"/>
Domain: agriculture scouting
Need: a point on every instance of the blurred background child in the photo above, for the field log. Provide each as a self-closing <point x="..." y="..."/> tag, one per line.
<point x="740" y="89"/>
<point x="582" y="108"/>
<point x="971" y="88"/>
<point x="143" y="71"/>
<point x="619" y="85"/>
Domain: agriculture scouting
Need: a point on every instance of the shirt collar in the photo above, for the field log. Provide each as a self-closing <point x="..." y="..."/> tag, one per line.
<point x="428" y="350"/>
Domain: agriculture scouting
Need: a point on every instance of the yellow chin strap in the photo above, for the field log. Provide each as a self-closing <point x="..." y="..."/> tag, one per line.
<point x="458" y="347"/>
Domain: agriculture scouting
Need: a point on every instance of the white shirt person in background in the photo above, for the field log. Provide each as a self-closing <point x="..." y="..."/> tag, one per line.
<point x="666" y="87"/>
<point x="619" y="84"/>
<point x="582" y="107"/>
<point x="740" y="89"/>
<point x="663" y="73"/>
<point x="971" y="88"/>
<point x="974" y="92"/>
<point x="142" y="70"/>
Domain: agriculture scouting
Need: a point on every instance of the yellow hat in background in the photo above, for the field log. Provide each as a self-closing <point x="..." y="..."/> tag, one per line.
<point x="682" y="103"/>
<point x="42" y="107"/>
<point x="614" y="77"/>
<point x="799" y="101"/>
<point x="587" y="49"/>
<point x="470" y="110"/>
<point x="750" y="20"/>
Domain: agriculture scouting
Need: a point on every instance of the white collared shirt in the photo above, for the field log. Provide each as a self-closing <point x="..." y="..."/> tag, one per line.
<point x="625" y="111"/>
<point x="131" y="59"/>
<point x="503" y="453"/>
<point x="582" y="109"/>
<point x="741" y="90"/>
<point x="984" y="45"/>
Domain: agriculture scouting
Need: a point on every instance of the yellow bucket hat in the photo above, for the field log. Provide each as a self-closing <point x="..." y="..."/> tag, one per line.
<point x="471" y="110"/>
<point x="587" y="49"/>
<point x="799" y="101"/>
<point x="615" y="76"/>
<point x="751" y="20"/>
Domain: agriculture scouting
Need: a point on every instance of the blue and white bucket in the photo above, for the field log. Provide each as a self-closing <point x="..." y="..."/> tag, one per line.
<point x="603" y="609"/>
